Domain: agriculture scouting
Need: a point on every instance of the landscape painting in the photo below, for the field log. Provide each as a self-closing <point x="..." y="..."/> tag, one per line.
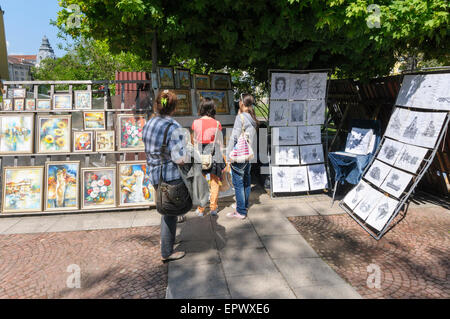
<point x="220" y="81"/>
<point x="61" y="186"/>
<point x="94" y="121"/>
<point x="219" y="97"/>
<point x="62" y="101"/>
<point x="202" y="81"/>
<point x="22" y="189"/>
<point x="134" y="185"/>
<point x="16" y="134"/>
<point x="284" y="136"/>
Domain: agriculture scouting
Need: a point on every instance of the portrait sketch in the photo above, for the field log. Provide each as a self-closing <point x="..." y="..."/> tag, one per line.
<point x="280" y="179"/>
<point x="390" y="151"/>
<point x="410" y="158"/>
<point x="280" y="86"/>
<point x="284" y="136"/>
<point x="299" y="179"/>
<point x="309" y="135"/>
<point x="396" y="182"/>
<point x="317" y="176"/>
<point x="317" y="85"/>
<point x="297" y="113"/>
<point x="287" y="155"/>
<point x="311" y="154"/>
<point x="279" y="113"/>
<point x="299" y="87"/>
<point x="381" y="212"/>
<point x="377" y="173"/>
<point x="356" y="194"/>
<point x="316" y="112"/>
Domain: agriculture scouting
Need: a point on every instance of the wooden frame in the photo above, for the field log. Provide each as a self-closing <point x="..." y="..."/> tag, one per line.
<point x="43" y="101"/>
<point x="22" y="93"/>
<point x="30" y="106"/>
<point x="78" y="95"/>
<point x="8" y="104"/>
<point x="100" y="149"/>
<point x="94" y="128"/>
<point x="19" y="104"/>
<point x="41" y="193"/>
<point x="166" y="84"/>
<point x="67" y="105"/>
<point x="178" y="78"/>
<point x="113" y="183"/>
<point x="214" y="85"/>
<point x="32" y="132"/>
<point x="119" y="190"/>
<point x="223" y="108"/>
<point x="186" y="109"/>
<point x="75" y="135"/>
<point x="68" y="128"/>
<point x="205" y="77"/>
<point x="77" y="200"/>
<point x="119" y="129"/>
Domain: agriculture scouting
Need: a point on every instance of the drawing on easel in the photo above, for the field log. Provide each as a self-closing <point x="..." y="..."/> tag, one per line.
<point x="280" y="178"/>
<point x="284" y="136"/>
<point x="396" y="182"/>
<point x="316" y="112"/>
<point x="280" y="86"/>
<point x="299" y="179"/>
<point x="390" y="151"/>
<point x="309" y="135"/>
<point x="377" y="173"/>
<point x="410" y="158"/>
<point x="356" y="194"/>
<point x="299" y="87"/>
<point x="279" y="113"/>
<point x="395" y="126"/>
<point x="311" y="154"/>
<point x="317" y="85"/>
<point x="317" y="176"/>
<point x="298" y="113"/>
<point x="430" y="126"/>
<point x="368" y="203"/>
<point x="382" y="212"/>
<point x="287" y="155"/>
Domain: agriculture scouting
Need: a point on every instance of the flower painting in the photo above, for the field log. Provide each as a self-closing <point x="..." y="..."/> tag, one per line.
<point x="16" y="134"/>
<point x="134" y="184"/>
<point x="83" y="141"/>
<point x="99" y="187"/>
<point x="94" y="121"/>
<point x="130" y="130"/>
<point x="54" y="133"/>
<point x="61" y="186"/>
<point x="22" y="189"/>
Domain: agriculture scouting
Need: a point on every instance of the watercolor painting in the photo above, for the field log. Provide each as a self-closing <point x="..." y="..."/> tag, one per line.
<point x="22" y="189"/>
<point x="61" y="186"/>
<point x="54" y="133"/>
<point x="8" y="105"/>
<point x="83" y="100"/>
<point x="94" y="121"/>
<point x="16" y="134"/>
<point x="19" y="104"/>
<point x="62" y="101"/>
<point x="83" y="141"/>
<point x="134" y="184"/>
<point x="129" y="132"/>
<point x="99" y="187"/>
<point x="105" y="141"/>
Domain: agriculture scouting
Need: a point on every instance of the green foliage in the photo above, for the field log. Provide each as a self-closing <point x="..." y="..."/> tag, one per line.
<point x="257" y="35"/>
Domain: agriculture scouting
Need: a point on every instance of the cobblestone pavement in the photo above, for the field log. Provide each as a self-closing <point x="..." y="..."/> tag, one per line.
<point x="115" y="263"/>
<point x="413" y="257"/>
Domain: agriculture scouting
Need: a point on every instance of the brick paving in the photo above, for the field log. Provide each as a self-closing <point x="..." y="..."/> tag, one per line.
<point x="115" y="263"/>
<point x="413" y="257"/>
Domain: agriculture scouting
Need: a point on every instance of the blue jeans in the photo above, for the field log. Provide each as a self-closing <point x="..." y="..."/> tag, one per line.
<point x="242" y="183"/>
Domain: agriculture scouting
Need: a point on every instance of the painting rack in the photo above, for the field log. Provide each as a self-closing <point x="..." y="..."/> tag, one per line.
<point x="403" y="200"/>
<point x="274" y="195"/>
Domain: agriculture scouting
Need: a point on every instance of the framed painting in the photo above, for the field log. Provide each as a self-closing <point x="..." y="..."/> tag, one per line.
<point x="280" y="86"/>
<point x="83" y="141"/>
<point x="311" y="154"/>
<point x="22" y="189"/>
<point x="20" y="93"/>
<point x="184" y="105"/>
<point x="43" y="104"/>
<point x="16" y="134"/>
<point x="297" y="112"/>
<point x="61" y="186"/>
<point x="317" y="175"/>
<point x="54" y="134"/>
<point x="8" y="105"/>
<point x="98" y="188"/>
<point x="165" y="77"/>
<point x="299" y="87"/>
<point x="134" y="185"/>
<point x="284" y="136"/>
<point x="129" y="132"/>
<point x="279" y="113"/>
<point x="30" y="105"/>
<point x="220" y="81"/>
<point x="19" y="104"/>
<point x="309" y="135"/>
<point x="183" y="77"/>
<point x="220" y="98"/>
<point x="202" y="81"/>
<point x="83" y="100"/>
<point x="94" y="120"/>
<point x="105" y="141"/>
<point x="62" y="101"/>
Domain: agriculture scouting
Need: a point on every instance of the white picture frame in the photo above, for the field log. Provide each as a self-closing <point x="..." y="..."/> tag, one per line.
<point x="410" y="158"/>
<point x="377" y="173"/>
<point x="280" y="179"/>
<point x="317" y="86"/>
<point x="358" y="141"/>
<point x="284" y="136"/>
<point x="317" y="177"/>
<point x="299" y="179"/>
<point x="382" y="212"/>
<point x="279" y="113"/>
<point x="396" y="182"/>
<point x="297" y="113"/>
<point x="316" y="112"/>
<point x="280" y="86"/>
<point x="287" y="155"/>
<point x="390" y="151"/>
<point x="312" y="154"/>
<point x="308" y="135"/>
<point x="299" y="86"/>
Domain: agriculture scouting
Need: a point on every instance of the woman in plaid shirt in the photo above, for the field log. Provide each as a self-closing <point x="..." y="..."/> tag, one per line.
<point x="153" y="137"/>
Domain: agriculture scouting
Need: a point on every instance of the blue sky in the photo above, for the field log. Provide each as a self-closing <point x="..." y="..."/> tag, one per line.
<point x="26" y="23"/>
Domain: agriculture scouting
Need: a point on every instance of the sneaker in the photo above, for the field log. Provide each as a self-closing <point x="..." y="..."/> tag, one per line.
<point x="175" y="256"/>
<point x="199" y="213"/>
<point x="213" y="212"/>
<point x="236" y="215"/>
<point x="181" y="219"/>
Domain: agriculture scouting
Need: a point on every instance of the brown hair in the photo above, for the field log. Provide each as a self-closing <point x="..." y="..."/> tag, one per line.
<point x="247" y="105"/>
<point x="166" y="103"/>
<point x="207" y="108"/>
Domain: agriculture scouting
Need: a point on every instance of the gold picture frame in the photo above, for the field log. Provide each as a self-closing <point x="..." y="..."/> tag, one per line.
<point x="183" y="78"/>
<point x="220" y="81"/>
<point x="134" y="195"/>
<point x="88" y="189"/>
<point x="66" y="179"/>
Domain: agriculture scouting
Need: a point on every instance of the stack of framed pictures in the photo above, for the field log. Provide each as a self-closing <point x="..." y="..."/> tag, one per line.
<point x="414" y="132"/>
<point x="297" y="115"/>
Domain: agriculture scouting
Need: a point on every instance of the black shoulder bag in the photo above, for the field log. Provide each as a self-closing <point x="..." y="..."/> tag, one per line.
<point x="172" y="200"/>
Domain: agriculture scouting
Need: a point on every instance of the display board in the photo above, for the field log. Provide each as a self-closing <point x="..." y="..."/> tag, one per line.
<point x="298" y="100"/>
<point x="415" y="130"/>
